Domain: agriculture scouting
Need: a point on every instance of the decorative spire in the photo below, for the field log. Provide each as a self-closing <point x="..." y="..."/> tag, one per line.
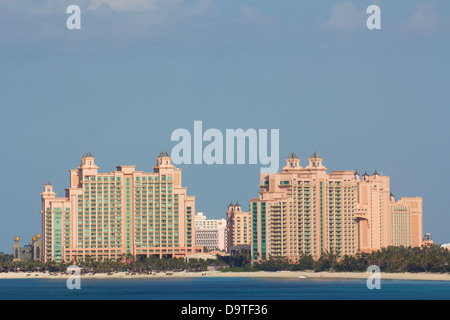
<point x="315" y="156"/>
<point x="292" y="163"/>
<point x="163" y="161"/>
<point x="48" y="183"/>
<point x="87" y="155"/>
<point x="356" y="173"/>
<point x="365" y="174"/>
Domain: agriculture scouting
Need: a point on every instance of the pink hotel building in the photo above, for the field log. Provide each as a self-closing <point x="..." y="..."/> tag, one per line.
<point x="298" y="211"/>
<point x="310" y="211"/>
<point x="108" y="215"/>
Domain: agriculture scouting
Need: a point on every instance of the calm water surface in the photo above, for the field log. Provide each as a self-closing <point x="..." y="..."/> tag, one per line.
<point x="221" y="289"/>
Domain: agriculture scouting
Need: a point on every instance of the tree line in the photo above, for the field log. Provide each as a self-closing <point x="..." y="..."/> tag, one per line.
<point x="391" y="259"/>
<point x="128" y="264"/>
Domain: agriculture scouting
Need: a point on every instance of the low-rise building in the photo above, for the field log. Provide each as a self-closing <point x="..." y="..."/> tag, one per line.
<point x="209" y="233"/>
<point x="32" y="251"/>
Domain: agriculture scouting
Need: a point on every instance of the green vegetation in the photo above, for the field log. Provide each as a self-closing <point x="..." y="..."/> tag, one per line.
<point x="391" y="259"/>
<point x="128" y="264"/>
<point x="5" y="257"/>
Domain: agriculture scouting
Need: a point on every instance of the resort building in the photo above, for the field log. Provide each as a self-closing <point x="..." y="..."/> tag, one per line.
<point x="428" y="241"/>
<point x="125" y="212"/>
<point x="209" y="233"/>
<point x="383" y="221"/>
<point x="31" y="252"/>
<point x="313" y="212"/>
<point x="405" y="222"/>
<point x="372" y="211"/>
<point x="239" y="226"/>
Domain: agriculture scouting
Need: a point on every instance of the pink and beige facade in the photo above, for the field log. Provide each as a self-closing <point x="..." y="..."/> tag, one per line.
<point x="372" y="211"/>
<point x="239" y="226"/>
<point x="106" y="216"/>
<point x="383" y="221"/>
<point x="405" y="224"/>
<point x="310" y="211"/>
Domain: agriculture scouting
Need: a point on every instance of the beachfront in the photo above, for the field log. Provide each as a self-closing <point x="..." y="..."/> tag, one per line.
<point x="259" y="274"/>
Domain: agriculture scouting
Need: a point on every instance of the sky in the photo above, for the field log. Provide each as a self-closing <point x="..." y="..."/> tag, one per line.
<point x="137" y="70"/>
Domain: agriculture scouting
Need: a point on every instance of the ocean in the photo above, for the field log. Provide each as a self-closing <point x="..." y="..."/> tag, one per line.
<point x="222" y="289"/>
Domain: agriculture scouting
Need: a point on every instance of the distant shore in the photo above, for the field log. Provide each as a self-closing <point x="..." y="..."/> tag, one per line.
<point x="258" y="274"/>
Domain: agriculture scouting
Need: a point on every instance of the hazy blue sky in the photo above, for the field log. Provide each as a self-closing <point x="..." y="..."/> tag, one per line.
<point x="139" y="69"/>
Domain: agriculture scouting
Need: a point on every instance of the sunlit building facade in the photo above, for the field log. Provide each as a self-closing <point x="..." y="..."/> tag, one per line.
<point x="239" y="226"/>
<point x="310" y="211"/>
<point x="406" y="222"/>
<point x="372" y="211"/>
<point x="383" y="221"/>
<point x="106" y="216"/>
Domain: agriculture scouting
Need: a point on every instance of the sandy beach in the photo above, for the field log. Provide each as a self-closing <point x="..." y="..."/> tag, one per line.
<point x="259" y="274"/>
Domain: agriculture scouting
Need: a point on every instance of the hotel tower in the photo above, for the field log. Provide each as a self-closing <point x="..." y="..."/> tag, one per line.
<point x="310" y="211"/>
<point x="239" y="226"/>
<point x="110" y="215"/>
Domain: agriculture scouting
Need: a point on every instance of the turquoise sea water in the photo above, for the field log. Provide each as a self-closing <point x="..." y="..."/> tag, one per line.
<point x="221" y="289"/>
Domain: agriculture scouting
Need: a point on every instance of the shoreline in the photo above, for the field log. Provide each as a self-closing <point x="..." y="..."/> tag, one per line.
<point x="219" y="274"/>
